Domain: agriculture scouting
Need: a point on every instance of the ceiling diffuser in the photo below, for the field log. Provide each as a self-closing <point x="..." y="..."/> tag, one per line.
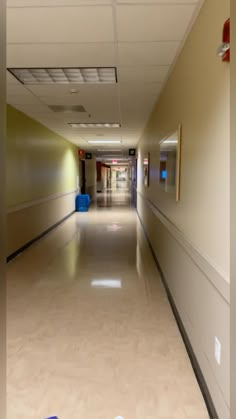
<point x="70" y="75"/>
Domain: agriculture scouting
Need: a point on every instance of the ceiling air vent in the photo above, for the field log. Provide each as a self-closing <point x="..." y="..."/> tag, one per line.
<point x="67" y="108"/>
<point x="80" y="75"/>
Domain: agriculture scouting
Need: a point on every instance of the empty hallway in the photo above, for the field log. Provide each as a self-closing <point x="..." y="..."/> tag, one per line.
<point x="90" y="330"/>
<point x="124" y="105"/>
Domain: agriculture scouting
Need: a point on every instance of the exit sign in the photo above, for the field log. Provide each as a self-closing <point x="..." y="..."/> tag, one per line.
<point x="88" y="156"/>
<point x="132" y="152"/>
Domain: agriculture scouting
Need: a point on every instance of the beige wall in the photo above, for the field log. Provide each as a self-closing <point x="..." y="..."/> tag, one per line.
<point x="2" y="214"/>
<point x="42" y="170"/>
<point x="191" y="237"/>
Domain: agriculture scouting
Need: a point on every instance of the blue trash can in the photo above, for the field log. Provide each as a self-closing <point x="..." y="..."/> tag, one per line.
<point x="82" y="202"/>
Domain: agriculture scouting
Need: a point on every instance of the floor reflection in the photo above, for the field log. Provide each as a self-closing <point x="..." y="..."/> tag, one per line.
<point x="118" y="195"/>
<point x="90" y="331"/>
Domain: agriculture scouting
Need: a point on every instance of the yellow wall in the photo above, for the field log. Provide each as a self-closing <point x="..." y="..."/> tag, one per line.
<point x="42" y="171"/>
<point x="191" y="237"/>
<point x="39" y="162"/>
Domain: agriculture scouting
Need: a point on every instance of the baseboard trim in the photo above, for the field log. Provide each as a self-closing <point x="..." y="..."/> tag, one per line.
<point x="35" y="239"/>
<point x="195" y="365"/>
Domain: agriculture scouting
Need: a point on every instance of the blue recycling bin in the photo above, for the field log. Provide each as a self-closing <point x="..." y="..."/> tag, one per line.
<point x="82" y="202"/>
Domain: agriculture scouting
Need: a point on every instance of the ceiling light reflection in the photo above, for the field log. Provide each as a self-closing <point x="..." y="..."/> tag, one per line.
<point x="170" y="142"/>
<point x="106" y="283"/>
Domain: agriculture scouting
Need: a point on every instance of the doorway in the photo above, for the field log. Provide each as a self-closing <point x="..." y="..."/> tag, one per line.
<point x="83" y="177"/>
<point x="134" y="182"/>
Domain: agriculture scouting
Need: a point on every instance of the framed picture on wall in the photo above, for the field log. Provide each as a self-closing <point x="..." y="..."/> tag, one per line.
<point x="170" y="159"/>
<point x="146" y="168"/>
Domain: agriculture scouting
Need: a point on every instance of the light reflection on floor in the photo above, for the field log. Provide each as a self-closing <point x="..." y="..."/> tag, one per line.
<point x="90" y="331"/>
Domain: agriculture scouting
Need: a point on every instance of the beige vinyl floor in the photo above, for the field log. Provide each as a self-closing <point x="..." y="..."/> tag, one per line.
<point x="91" y="334"/>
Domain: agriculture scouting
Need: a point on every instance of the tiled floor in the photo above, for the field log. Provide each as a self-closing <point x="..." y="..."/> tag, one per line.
<point x="90" y="331"/>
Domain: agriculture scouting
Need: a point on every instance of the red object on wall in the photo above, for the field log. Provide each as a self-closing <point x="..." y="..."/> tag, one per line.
<point x="81" y="153"/>
<point x="224" y="50"/>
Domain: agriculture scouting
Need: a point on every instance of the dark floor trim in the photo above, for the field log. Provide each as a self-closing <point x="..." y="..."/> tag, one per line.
<point x="195" y="365"/>
<point x="28" y="244"/>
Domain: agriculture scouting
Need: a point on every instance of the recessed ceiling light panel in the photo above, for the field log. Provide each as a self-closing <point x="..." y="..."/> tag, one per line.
<point x="94" y="125"/>
<point x="104" y="141"/>
<point x="106" y="283"/>
<point x="67" y="108"/>
<point x="99" y="75"/>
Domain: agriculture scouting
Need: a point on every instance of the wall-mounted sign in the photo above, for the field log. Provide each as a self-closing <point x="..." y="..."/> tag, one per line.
<point x="132" y="151"/>
<point x="88" y="156"/>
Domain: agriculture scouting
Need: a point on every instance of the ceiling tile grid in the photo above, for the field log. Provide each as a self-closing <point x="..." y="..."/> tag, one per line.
<point x="141" y="38"/>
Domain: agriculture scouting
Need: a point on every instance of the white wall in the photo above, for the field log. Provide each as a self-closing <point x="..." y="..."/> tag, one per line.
<point x="191" y="238"/>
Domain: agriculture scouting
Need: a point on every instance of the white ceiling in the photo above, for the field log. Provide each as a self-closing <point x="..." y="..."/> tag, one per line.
<point x="140" y="37"/>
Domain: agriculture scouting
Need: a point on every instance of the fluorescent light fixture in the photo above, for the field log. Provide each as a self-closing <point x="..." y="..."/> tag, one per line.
<point x="109" y="149"/>
<point x="113" y="156"/>
<point x="104" y="141"/>
<point x="106" y="283"/>
<point x="98" y="75"/>
<point x="94" y="125"/>
<point x="170" y="142"/>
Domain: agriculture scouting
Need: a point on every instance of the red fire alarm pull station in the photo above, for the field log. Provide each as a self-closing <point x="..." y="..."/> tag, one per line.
<point x="81" y="153"/>
<point x="224" y="50"/>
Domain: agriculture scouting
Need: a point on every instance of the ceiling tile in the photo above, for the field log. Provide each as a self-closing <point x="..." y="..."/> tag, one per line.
<point x="94" y="92"/>
<point x="59" y="55"/>
<point x="82" y="24"/>
<point x="150" y="34"/>
<point x="153" y="22"/>
<point x="142" y="74"/>
<point x="147" y="53"/>
<point x="92" y="135"/>
<point x="17" y="89"/>
<point x="129" y="91"/>
<point x="108" y="113"/>
<point x="22" y="100"/>
<point x="36" y="109"/>
<point x="101" y="104"/>
<point x="11" y="79"/>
